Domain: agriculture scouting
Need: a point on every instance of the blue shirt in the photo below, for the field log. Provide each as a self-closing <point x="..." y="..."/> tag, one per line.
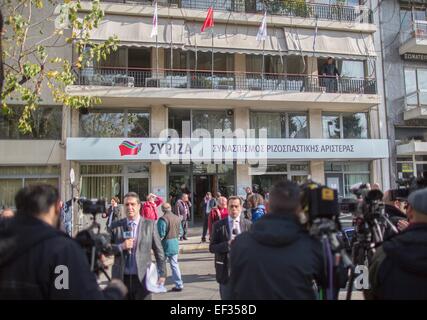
<point x="131" y="267"/>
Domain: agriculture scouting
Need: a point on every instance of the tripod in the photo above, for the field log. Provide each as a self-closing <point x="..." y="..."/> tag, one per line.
<point x="326" y="230"/>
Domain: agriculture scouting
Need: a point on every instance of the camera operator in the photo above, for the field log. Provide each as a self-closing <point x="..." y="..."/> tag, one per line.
<point x="32" y="247"/>
<point x="277" y="258"/>
<point x="399" y="267"/>
<point x="395" y="209"/>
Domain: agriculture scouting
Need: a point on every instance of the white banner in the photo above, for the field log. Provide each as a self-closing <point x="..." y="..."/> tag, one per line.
<point x="226" y="149"/>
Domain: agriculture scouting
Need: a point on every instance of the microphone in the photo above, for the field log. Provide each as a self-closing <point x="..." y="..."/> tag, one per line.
<point x="128" y="235"/>
<point x="234" y="233"/>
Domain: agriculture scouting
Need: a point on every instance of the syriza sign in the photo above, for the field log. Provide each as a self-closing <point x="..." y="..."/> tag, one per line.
<point x="223" y="149"/>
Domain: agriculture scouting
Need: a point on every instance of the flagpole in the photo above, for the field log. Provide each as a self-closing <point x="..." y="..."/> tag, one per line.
<point x="263" y="65"/>
<point x="172" y="72"/>
<point x="212" y="58"/>
<point x="157" y="58"/>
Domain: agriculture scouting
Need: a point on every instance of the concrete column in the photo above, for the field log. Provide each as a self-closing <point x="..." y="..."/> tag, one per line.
<point x="311" y="63"/>
<point x="317" y="171"/>
<point x="315" y="124"/>
<point x="243" y="179"/>
<point x="240" y="69"/>
<point x="75" y="115"/>
<point x="312" y="71"/>
<point x="158" y="180"/>
<point x="160" y="64"/>
<point x="158" y="120"/>
<point x="242" y="118"/>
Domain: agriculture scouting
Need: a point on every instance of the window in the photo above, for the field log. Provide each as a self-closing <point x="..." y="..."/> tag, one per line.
<point x="115" y="123"/>
<point x="415" y="86"/>
<point x="186" y="121"/>
<point x="343" y="175"/>
<point x="107" y="181"/>
<point x="211" y="120"/>
<point x="280" y="125"/>
<point x="349" y="68"/>
<point x="45" y="122"/>
<point x="272" y="64"/>
<point x="345" y="125"/>
<point x="222" y="61"/>
<point x="262" y="180"/>
<point x="13" y="178"/>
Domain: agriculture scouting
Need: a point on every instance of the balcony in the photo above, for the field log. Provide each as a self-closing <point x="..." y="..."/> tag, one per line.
<point x="416" y="105"/>
<point x="415" y="40"/>
<point x="330" y="12"/>
<point x="256" y="89"/>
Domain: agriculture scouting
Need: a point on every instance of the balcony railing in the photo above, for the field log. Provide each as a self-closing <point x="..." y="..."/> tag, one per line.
<point x="336" y="12"/>
<point x="204" y="79"/>
<point x="418" y="30"/>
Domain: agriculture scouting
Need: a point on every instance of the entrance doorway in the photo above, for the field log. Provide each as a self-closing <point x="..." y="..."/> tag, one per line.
<point x="196" y="180"/>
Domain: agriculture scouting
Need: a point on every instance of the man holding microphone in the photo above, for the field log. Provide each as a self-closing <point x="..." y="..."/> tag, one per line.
<point x="134" y="238"/>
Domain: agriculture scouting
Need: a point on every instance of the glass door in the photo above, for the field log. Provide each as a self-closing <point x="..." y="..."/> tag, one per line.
<point x="138" y="185"/>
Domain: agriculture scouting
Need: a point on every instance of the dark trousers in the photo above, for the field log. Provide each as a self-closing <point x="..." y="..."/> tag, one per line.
<point x="205" y="225"/>
<point x="225" y="291"/>
<point x="137" y="290"/>
<point x="184" y="224"/>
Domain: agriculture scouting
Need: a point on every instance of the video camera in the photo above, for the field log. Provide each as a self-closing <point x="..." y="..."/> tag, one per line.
<point x="406" y="187"/>
<point x="94" y="243"/>
<point x="92" y="206"/>
<point x="321" y="206"/>
<point x="319" y="201"/>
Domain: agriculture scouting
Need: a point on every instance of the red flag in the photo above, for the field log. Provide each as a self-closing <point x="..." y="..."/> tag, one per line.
<point x="209" y="21"/>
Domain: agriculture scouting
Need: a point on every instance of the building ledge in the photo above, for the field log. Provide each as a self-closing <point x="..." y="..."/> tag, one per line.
<point x="415" y="113"/>
<point x="414" y="45"/>
<point x="143" y="96"/>
<point x="30" y="152"/>
<point x="412" y="148"/>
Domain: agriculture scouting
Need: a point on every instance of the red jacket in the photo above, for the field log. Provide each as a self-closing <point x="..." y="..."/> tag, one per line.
<point x="149" y="209"/>
<point x="216" y="215"/>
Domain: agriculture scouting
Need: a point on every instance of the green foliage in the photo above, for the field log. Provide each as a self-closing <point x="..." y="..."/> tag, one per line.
<point x="30" y="63"/>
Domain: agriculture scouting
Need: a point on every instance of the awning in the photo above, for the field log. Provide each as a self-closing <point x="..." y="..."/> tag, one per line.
<point x="231" y="38"/>
<point x="350" y="45"/>
<point x="136" y="31"/>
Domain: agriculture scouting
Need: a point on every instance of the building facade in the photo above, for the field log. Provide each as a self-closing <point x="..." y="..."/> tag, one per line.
<point x="404" y="46"/>
<point x="251" y="101"/>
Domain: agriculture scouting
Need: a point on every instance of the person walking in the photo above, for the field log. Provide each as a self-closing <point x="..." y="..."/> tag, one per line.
<point x="170" y="230"/>
<point x="113" y="212"/>
<point x="256" y="205"/>
<point x="208" y="203"/>
<point x="217" y="213"/>
<point x="182" y="210"/>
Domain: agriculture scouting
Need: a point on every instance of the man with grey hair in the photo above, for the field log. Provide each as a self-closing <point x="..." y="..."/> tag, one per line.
<point x="134" y="237"/>
<point x="399" y="267"/>
<point x="170" y="230"/>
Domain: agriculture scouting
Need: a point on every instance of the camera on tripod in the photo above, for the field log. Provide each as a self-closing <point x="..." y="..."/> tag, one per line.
<point x="95" y="244"/>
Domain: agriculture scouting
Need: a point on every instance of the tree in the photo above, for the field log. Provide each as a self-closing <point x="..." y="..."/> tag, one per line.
<point x="34" y="30"/>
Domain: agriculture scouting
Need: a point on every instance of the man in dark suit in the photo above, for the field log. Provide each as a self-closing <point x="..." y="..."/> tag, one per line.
<point x="223" y="235"/>
<point x="133" y="249"/>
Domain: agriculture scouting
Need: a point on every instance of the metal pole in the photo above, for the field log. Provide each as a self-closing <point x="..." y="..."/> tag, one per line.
<point x="212" y="58"/>
<point x="263" y="65"/>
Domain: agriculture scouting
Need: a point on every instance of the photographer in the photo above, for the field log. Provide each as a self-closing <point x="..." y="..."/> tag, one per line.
<point x="398" y="270"/>
<point x="277" y="258"/>
<point x="32" y="248"/>
<point x="394" y="208"/>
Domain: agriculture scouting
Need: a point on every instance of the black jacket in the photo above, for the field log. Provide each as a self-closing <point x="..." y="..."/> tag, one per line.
<point x="221" y="234"/>
<point x="277" y="259"/>
<point x="394" y="215"/>
<point x="399" y="267"/>
<point x="31" y="250"/>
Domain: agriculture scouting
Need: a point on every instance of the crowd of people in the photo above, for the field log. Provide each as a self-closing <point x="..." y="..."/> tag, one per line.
<point x="262" y="249"/>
